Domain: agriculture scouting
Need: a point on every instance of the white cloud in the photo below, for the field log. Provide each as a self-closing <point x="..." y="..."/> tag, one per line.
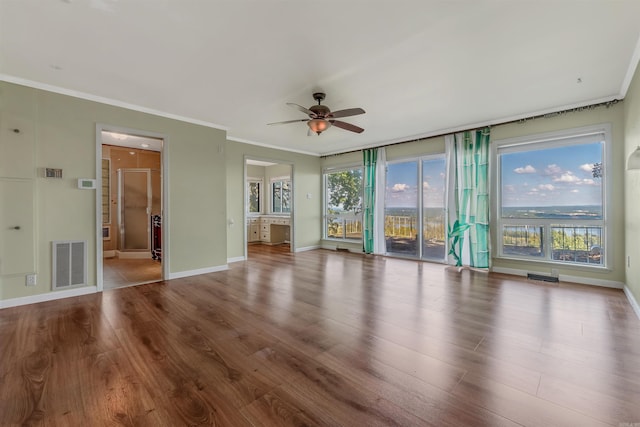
<point x="567" y="177"/>
<point x="548" y="187"/>
<point x="587" y="167"/>
<point x="526" y="169"/>
<point x="398" y="188"/>
<point x="553" y="169"/>
<point x="426" y="185"/>
<point x="575" y="191"/>
<point x="509" y="189"/>
<point x="588" y="181"/>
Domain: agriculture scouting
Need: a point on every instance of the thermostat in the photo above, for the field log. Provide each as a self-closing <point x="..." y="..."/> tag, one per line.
<point x="86" y="184"/>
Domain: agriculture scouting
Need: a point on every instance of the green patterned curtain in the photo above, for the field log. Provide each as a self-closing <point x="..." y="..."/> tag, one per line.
<point x="468" y="202"/>
<point x="369" y="157"/>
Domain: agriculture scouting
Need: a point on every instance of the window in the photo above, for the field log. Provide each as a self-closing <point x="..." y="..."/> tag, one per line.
<point x="551" y="203"/>
<point x="343" y="204"/>
<point x="254" y="195"/>
<point x="281" y="195"/>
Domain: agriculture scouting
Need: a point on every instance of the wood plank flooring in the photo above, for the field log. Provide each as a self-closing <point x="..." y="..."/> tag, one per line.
<point x="325" y="338"/>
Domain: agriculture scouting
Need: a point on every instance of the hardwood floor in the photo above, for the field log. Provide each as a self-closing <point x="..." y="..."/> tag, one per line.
<point x="121" y="272"/>
<point x="325" y="338"/>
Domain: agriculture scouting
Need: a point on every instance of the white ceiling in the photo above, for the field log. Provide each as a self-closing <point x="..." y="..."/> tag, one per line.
<point x="418" y="67"/>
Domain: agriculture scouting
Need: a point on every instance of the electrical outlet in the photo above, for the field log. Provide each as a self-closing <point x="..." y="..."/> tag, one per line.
<point x="31" y="280"/>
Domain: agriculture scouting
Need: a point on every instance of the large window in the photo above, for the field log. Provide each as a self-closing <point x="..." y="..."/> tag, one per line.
<point x="281" y="195"/>
<point x="343" y="204"/>
<point x="552" y="197"/>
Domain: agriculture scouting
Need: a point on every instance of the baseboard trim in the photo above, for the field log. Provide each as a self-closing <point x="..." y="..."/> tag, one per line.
<point x="235" y="259"/>
<point x="109" y="254"/>
<point x="308" y="248"/>
<point x="49" y="296"/>
<point x="133" y="255"/>
<point x="189" y="273"/>
<point x="563" y="278"/>
<point x="632" y="301"/>
<point x="341" y="248"/>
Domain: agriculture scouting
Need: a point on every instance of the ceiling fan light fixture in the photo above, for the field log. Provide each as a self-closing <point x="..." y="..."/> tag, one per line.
<point x="318" y="125"/>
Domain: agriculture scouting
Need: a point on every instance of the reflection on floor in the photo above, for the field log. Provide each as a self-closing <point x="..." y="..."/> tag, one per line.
<point x="260" y="249"/>
<point x="119" y="273"/>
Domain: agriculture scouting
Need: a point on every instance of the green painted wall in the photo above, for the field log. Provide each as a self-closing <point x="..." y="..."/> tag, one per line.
<point x="306" y="181"/>
<point x="61" y="129"/>
<point x="632" y="186"/>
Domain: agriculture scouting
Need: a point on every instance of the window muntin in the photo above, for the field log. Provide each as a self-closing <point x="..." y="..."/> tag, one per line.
<point x="552" y="198"/>
<point x="343" y="204"/>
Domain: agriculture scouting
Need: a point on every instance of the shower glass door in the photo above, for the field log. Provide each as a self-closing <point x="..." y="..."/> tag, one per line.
<point x="134" y="211"/>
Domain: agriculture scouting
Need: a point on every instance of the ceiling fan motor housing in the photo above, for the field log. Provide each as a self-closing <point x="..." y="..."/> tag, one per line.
<point x="320" y="110"/>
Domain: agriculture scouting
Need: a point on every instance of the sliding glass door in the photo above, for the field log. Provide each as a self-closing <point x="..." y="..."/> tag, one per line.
<point x="414" y="208"/>
<point x="433" y="214"/>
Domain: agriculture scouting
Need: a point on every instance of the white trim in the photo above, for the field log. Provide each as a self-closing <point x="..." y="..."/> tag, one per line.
<point x="308" y="248"/>
<point x="189" y="273"/>
<point x="275" y="147"/>
<point x="107" y="101"/>
<point x="338" y="246"/>
<point x="633" y="64"/>
<point x="235" y="259"/>
<point x="562" y="277"/>
<point x="632" y="301"/>
<point x="164" y="158"/>
<point x="49" y="296"/>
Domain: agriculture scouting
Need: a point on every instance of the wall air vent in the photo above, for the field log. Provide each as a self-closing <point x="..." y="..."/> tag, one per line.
<point x="69" y="263"/>
<point x="542" y="277"/>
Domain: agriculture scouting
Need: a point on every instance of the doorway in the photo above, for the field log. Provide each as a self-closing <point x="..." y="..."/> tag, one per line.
<point x="268" y="206"/>
<point x="414" y="214"/>
<point x="131" y="208"/>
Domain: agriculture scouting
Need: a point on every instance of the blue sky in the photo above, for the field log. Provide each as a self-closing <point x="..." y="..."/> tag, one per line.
<point x="402" y="184"/>
<point x="552" y="177"/>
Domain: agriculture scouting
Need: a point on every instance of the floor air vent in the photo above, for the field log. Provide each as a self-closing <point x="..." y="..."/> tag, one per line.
<point x="542" y="277"/>
<point x="69" y="263"/>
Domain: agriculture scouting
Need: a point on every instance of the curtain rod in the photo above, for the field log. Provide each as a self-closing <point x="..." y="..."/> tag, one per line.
<point x="522" y="120"/>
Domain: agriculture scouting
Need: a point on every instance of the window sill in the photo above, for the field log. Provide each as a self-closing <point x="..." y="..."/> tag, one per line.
<point x="335" y="239"/>
<point x="556" y="264"/>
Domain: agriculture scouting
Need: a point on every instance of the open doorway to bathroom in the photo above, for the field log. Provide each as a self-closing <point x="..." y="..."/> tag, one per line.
<point x="269" y="206"/>
<point x="131" y="213"/>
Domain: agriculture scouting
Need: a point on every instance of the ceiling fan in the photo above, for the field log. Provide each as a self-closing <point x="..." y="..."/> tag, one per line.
<point x="321" y="118"/>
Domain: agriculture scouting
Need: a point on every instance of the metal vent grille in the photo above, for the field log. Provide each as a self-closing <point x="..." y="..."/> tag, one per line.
<point x="69" y="263"/>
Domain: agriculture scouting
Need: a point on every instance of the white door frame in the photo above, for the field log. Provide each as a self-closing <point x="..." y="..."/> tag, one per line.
<point x="100" y="127"/>
<point x="245" y="209"/>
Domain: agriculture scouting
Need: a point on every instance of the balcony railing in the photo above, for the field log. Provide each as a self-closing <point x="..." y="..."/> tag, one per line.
<point x="571" y="244"/>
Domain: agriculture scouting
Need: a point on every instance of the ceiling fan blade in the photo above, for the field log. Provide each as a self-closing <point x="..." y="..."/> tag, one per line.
<point x="346" y="113"/>
<point x="288" y="121"/>
<point x="347" y="126"/>
<point x="303" y="109"/>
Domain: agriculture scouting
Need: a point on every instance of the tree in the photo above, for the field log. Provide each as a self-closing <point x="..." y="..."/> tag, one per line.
<point x="596" y="170"/>
<point x="345" y="190"/>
